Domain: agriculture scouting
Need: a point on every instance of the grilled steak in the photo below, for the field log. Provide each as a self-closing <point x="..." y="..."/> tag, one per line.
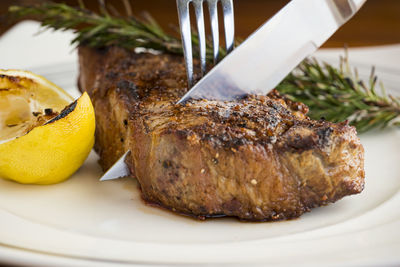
<point x="258" y="158"/>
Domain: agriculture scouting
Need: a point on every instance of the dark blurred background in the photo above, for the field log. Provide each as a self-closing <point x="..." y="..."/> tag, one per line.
<point x="377" y="23"/>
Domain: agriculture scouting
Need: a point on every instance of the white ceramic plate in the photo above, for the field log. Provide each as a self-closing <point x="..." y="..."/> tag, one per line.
<point x="86" y="222"/>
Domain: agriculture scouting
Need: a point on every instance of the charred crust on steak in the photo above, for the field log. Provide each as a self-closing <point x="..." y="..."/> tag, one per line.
<point x="258" y="158"/>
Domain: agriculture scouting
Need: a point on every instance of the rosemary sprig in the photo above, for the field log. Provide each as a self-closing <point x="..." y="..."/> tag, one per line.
<point x="102" y="29"/>
<point x="331" y="93"/>
<point x="338" y="95"/>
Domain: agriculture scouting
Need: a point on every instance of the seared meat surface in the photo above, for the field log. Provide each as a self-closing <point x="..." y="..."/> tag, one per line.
<point x="258" y="158"/>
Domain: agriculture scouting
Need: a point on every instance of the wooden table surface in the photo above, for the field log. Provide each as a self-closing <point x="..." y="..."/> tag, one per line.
<point x="377" y="23"/>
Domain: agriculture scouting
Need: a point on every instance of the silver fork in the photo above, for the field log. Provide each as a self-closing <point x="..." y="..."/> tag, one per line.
<point x="184" y="22"/>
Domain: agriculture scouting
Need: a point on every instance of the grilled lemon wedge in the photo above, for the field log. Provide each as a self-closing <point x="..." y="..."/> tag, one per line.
<point x="44" y="138"/>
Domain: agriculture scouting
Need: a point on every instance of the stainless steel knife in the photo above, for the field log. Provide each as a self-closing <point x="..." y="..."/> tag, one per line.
<point x="118" y="170"/>
<point x="265" y="58"/>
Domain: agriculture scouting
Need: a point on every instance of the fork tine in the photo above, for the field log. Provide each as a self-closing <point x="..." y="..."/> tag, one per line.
<point x="184" y="22"/>
<point x="229" y="24"/>
<point x="198" y="5"/>
<point x="213" y="9"/>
